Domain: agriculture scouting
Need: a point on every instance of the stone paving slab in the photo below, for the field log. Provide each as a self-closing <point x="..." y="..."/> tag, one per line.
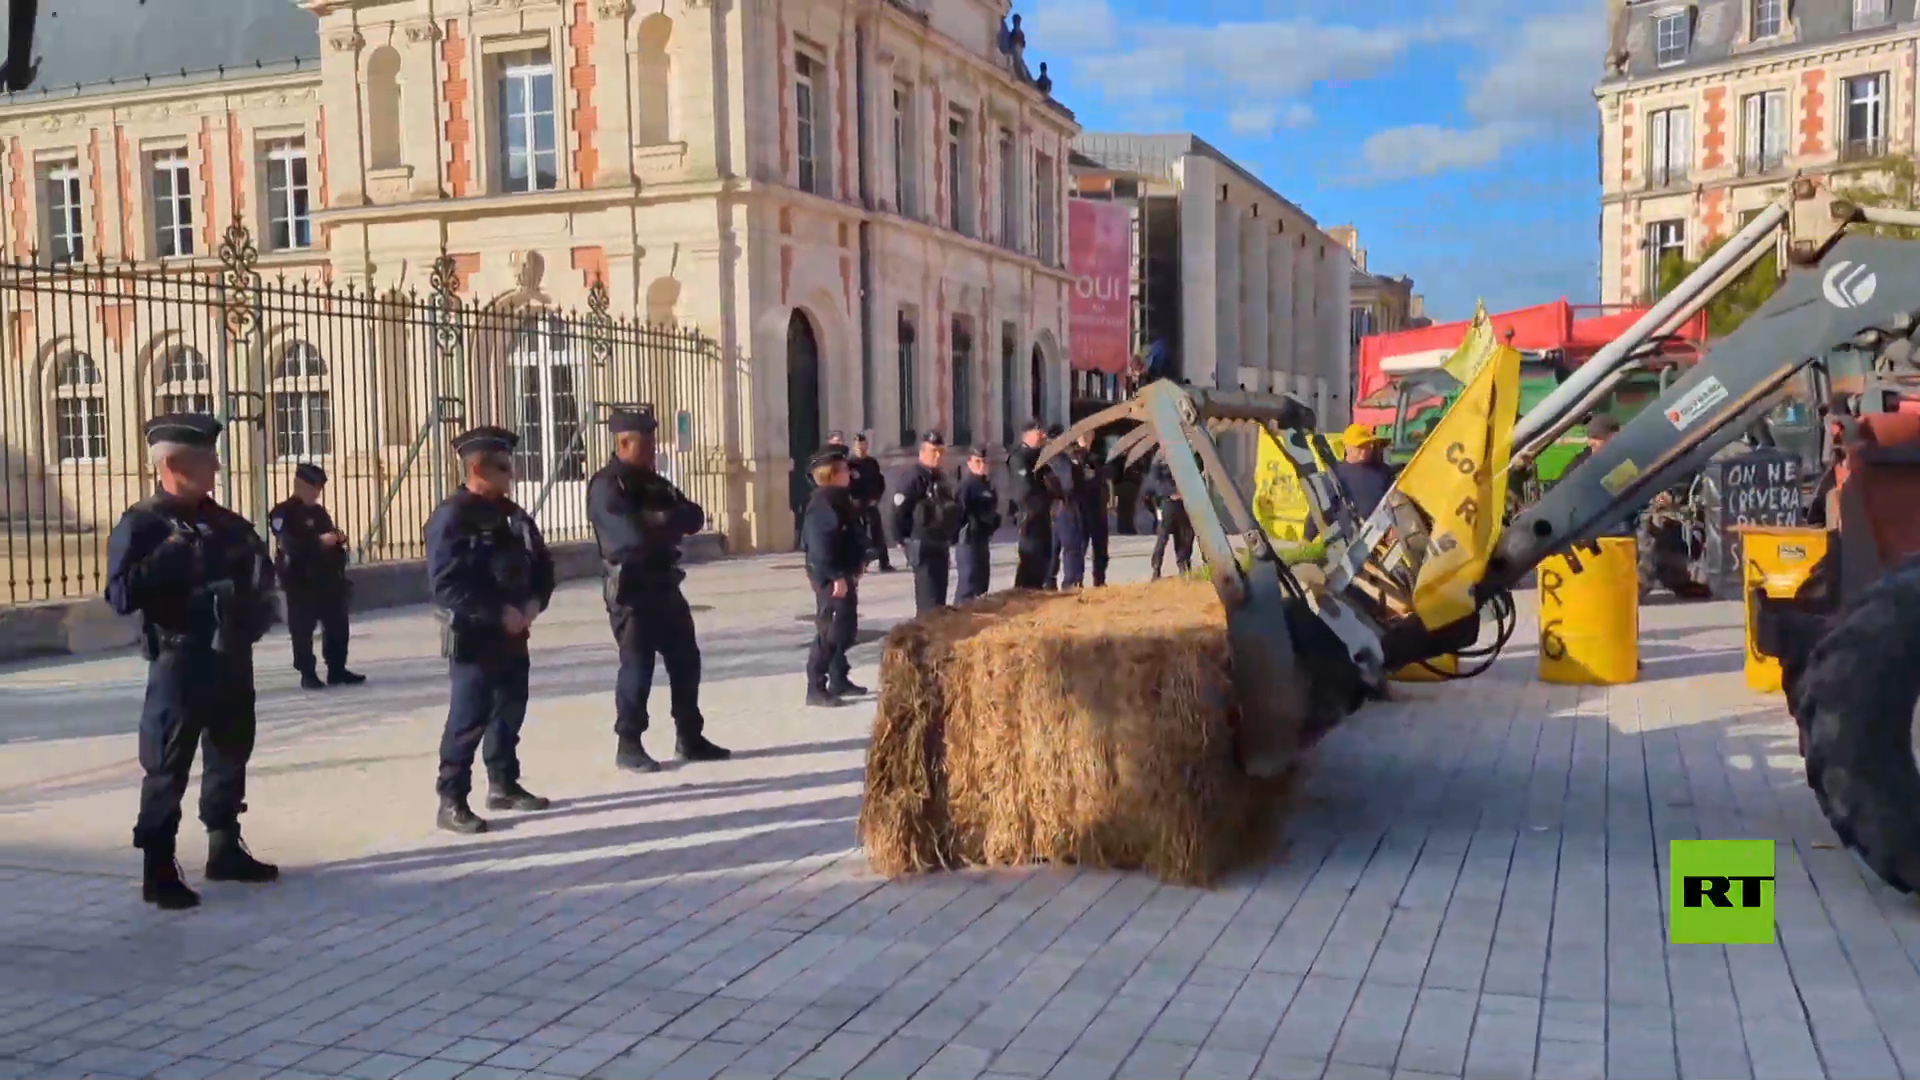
<point x="1472" y="888"/>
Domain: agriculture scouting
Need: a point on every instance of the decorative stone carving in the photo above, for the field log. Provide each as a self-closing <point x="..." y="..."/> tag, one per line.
<point x="613" y="9"/>
<point x="697" y="5"/>
<point x="346" y="41"/>
<point x="423" y="32"/>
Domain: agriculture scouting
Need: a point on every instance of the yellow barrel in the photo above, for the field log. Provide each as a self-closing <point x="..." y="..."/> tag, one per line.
<point x="1448" y="664"/>
<point x="1778" y="558"/>
<point x="1590" y="619"/>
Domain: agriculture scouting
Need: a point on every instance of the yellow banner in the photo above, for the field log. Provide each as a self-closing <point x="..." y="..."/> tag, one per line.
<point x="1459" y="478"/>
<point x="1474" y="349"/>
<point x="1279" y="502"/>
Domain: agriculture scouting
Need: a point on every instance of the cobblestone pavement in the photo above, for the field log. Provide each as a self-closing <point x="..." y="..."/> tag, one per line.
<point x="1473" y="888"/>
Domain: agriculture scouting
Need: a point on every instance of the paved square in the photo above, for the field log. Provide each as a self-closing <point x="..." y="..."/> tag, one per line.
<point x="1473" y="888"/>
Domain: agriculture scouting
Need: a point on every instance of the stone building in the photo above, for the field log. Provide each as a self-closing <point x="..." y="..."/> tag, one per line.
<point x="852" y="212"/>
<point x="1380" y="304"/>
<point x="1708" y="108"/>
<point x="1243" y="285"/>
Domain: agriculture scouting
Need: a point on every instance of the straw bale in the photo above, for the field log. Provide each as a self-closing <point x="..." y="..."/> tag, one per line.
<point x="1093" y="728"/>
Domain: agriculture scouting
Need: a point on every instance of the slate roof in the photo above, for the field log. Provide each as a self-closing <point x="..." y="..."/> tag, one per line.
<point x="1718" y="25"/>
<point x="95" y="45"/>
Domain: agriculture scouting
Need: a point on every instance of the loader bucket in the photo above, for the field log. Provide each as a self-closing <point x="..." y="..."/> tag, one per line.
<point x="1274" y="686"/>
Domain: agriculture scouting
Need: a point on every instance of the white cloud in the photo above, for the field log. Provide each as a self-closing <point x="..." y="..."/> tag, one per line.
<point x="1073" y="27"/>
<point x="1256" y="120"/>
<point x="1426" y="149"/>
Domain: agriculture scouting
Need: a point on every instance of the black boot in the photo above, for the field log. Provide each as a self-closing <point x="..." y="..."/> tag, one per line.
<point x="457" y="816"/>
<point x="229" y="860"/>
<point x="310" y="681"/>
<point x="698" y="748"/>
<point x="342" y="677"/>
<point x="844" y="687"/>
<point x="633" y="757"/>
<point x="824" y="699"/>
<point x="511" y="796"/>
<point x="160" y="883"/>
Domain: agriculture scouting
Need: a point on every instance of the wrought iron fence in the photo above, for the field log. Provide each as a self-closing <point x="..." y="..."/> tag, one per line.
<point x="368" y="384"/>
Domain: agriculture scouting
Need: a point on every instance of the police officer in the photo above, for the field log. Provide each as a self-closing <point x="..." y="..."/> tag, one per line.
<point x="1032" y="508"/>
<point x="1070" y="531"/>
<point x="1094" y="490"/>
<point x="979" y="520"/>
<point x="202" y="581"/>
<point x="836" y="547"/>
<point x="926" y="518"/>
<point x="868" y="486"/>
<point x="639" y="520"/>
<point x="312" y="564"/>
<point x="491" y="576"/>
<point x="1061" y="490"/>
<point x="1170" y="518"/>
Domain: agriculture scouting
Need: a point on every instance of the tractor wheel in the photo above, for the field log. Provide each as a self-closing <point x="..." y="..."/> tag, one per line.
<point x="1854" y="705"/>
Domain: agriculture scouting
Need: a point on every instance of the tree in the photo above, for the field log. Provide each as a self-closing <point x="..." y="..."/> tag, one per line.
<point x="1890" y="182"/>
<point x="1731" y="308"/>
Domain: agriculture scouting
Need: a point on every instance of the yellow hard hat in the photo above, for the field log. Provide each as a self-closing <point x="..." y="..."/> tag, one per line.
<point x="1359" y="435"/>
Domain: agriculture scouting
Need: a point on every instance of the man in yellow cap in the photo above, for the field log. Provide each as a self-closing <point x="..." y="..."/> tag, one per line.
<point x="1363" y="473"/>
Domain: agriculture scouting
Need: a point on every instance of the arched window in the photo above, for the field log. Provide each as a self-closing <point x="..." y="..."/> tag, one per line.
<point x="962" y="371"/>
<point x="302" y="405"/>
<point x="654" y="75"/>
<point x="79" y="409"/>
<point x="383" y="109"/>
<point x="185" y="382"/>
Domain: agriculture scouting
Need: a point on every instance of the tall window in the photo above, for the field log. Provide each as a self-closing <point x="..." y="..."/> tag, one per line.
<point x="172" y="205"/>
<point x="1009" y="192"/>
<point x="1869" y="13"/>
<point x="1769" y="17"/>
<point x="1671" y="153"/>
<point x="529" y="145"/>
<point x="1866" y="117"/>
<point x="1009" y="378"/>
<point x="1763" y="119"/>
<point x="60" y="202"/>
<point x="1666" y="244"/>
<point x="957" y="201"/>
<point x="185" y="383"/>
<point x="289" y="206"/>
<point x="810" y="123"/>
<point x="79" y="409"/>
<point x="1672" y="37"/>
<point x="1046" y="209"/>
<point x="302" y="407"/>
<point x="962" y="381"/>
<point x="906" y="175"/>
<point x="904" y="344"/>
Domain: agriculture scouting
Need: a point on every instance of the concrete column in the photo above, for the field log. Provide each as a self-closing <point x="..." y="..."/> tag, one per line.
<point x="1279" y="308"/>
<point x="1227" y="293"/>
<point x="1336" y="299"/>
<point x="1253" y="308"/>
<point x="1306" y="348"/>
<point x="1199" y="193"/>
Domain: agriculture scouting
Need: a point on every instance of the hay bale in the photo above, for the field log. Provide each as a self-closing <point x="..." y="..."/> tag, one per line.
<point x="1092" y="728"/>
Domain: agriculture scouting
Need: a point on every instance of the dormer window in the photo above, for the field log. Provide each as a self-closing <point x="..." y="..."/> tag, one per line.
<point x="1672" y="37"/>
<point x="1769" y="18"/>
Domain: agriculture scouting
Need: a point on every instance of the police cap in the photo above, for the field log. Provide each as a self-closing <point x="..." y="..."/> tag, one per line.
<point x="187" y="429"/>
<point x="933" y="438"/>
<point x="827" y="455"/>
<point x="311" y="474"/>
<point x="836" y="437"/>
<point x="1056" y="431"/>
<point x="637" y="421"/>
<point x="487" y="439"/>
<point x="1033" y="425"/>
<point x="979" y="452"/>
<point x="860" y="438"/>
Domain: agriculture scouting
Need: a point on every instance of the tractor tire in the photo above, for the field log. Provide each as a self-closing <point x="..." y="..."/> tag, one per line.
<point x="1854" y="705"/>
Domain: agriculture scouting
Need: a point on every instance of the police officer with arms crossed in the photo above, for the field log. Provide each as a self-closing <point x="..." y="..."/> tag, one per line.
<point x="491" y="577"/>
<point x="979" y="520"/>
<point x="867" y="487"/>
<point x="1033" y="494"/>
<point x="639" y="520"/>
<point x="312" y="563"/>
<point x="202" y="581"/>
<point x="836" y="546"/>
<point x="926" y="518"/>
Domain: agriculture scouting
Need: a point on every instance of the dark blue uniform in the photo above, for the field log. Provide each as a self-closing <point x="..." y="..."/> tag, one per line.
<point x="201" y="580"/>
<point x="639" y="520"/>
<point x="1069" y="520"/>
<point x="1093" y="511"/>
<point x="484" y="556"/>
<point x="1170" y="520"/>
<point x="836" y="544"/>
<point x="868" y="488"/>
<point x="313" y="577"/>
<point x="979" y="520"/>
<point x="1034" y="493"/>
<point x="926" y="518"/>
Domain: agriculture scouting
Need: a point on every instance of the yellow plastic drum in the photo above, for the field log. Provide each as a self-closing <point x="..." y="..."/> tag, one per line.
<point x="1778" y="558"/>
<point x="1446" y="665"/>
<point x="1590" y="619"/>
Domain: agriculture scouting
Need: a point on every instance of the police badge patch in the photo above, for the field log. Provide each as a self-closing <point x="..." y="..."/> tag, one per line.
<point x="279" y="523"/>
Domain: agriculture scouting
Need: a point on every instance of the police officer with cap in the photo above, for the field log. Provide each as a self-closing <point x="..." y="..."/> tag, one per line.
<point x="836" y="547"/>
<point x="491" y="577"/>
<point x="639" y="520"/>
<point x="312" y="564"/>
<point x="1062" y="489"/>
<point x="201" y="580"/>
<point x="1033" y="495"/>
<point x="979" y="520"/>
<point x="867" y="487"/>
<point x="926" y="518"/>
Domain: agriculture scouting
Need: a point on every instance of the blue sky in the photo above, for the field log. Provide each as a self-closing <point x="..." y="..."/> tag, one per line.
<point x="1459" y="137"/>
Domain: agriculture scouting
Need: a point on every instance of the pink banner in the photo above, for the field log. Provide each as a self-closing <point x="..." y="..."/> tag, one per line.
<point x="1100" y="257"/>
